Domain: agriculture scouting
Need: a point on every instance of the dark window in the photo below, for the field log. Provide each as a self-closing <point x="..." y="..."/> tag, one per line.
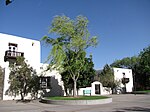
<point x="41" y="67"/>
<point x="45" y="82"/>
<point x="14" y="48"/>
<point x="9" y="48"/>
<point x="123" y="74"/>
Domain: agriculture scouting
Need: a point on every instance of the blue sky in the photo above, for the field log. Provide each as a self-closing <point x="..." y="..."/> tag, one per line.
<point x="122" y="26"/>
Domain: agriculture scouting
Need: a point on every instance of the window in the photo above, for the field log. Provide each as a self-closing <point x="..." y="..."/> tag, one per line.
<point x="9" y="48"/>
<point x="41" y="67"/>
<point x="45" y="82"/>
<point x="123" y="74"/>
<point x="12" y="48"/>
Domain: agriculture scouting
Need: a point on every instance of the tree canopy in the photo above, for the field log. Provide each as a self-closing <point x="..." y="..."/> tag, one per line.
<point x="69" y="36"/>
<point x="85" y="79"/>
<point x="144" y="68"/>
<point x="106" y="77"/>
<point x="128" y="62"/>
<point x="140" y="66"/>
<point x="22" y="79"/>
<point x="145" y="60"/>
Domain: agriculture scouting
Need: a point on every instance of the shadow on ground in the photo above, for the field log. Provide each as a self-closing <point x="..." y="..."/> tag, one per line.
<point x="136" y="109"/>
<point x="24" y="101"/>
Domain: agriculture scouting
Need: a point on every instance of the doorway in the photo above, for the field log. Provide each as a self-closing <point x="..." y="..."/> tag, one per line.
<point x="97" y="89"/>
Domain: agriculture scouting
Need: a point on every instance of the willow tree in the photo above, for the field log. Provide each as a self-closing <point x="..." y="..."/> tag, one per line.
<point x="69" y="36"/>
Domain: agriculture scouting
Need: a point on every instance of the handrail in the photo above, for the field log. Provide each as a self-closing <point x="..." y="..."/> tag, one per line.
<point x="13" y="53"/>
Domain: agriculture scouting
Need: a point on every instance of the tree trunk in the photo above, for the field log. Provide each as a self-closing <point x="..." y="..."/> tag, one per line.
<point x="75" y="88"/>
<point x="22" y="96"/>
<point x="66" y="91"/>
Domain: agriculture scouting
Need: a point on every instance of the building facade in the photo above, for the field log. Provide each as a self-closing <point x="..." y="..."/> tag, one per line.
<point x="13" y="46"/>
<point x="50" y="81"/>
<point x="125" y="77"/>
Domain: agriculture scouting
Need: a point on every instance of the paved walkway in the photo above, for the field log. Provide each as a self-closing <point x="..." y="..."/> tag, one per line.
<point x="121" y="103"/>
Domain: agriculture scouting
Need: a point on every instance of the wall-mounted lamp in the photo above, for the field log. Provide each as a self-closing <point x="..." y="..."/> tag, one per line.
<point x="32" y="43"/>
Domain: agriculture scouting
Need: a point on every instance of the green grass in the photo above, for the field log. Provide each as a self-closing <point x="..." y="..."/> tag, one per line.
<point x="147" y="91"/>
<point x="144" y="91"/>
<point x="78" y="98"/>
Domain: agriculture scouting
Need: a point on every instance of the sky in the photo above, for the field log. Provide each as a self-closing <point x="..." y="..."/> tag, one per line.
<point x="121" y="26"/>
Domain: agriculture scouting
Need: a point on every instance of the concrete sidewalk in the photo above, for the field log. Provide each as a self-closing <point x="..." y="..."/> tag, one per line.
<point x="121" y="103"/>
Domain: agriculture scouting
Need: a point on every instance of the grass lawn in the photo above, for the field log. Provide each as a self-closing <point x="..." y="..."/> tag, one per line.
<point x="77" y="98"/>
<point x="144" y="91"/>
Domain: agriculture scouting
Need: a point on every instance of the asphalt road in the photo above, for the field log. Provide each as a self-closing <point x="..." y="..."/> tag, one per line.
<point x="121" y="103"/>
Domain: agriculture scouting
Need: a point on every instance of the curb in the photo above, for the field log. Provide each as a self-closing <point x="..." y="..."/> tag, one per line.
<point x="77" y="102"/>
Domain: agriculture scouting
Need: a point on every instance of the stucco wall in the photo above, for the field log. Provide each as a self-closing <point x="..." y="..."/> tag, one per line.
<point x="57" y="85"/>
<point x="118" y="75"/>
<point x="30" y="48"/>
<point x="103" y="90"/>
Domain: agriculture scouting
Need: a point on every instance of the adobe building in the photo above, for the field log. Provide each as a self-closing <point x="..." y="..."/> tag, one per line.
<point x="50" y="81"/>
<point x="13" y="46"/>
<point x="125" y="77"/>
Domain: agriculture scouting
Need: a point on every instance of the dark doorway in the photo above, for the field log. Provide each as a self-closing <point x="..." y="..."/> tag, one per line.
<point x="97" y="89"/>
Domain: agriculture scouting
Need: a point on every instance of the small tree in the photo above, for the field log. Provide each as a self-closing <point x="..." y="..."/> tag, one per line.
<point x="85" y="79"/>
<point x="106" y="77"/>
<point x="21" y="78"/>
<point x="73" y="36"/>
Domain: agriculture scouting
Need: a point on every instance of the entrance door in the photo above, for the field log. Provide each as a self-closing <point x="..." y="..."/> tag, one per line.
<point x="97" y="89"/>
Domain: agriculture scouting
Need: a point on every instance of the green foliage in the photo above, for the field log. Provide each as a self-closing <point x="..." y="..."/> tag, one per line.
<point x="71" y="36"/>
<point x="106" y="77"/>
<point x="144" y="67"/>
<point x="22" y="79"/>
<point x="145" y="60"/>
<point x="140" y="66"/>
<point x="87" y="75"/>
<point x="85" y="79"/>
<point x="128" y="62"/>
